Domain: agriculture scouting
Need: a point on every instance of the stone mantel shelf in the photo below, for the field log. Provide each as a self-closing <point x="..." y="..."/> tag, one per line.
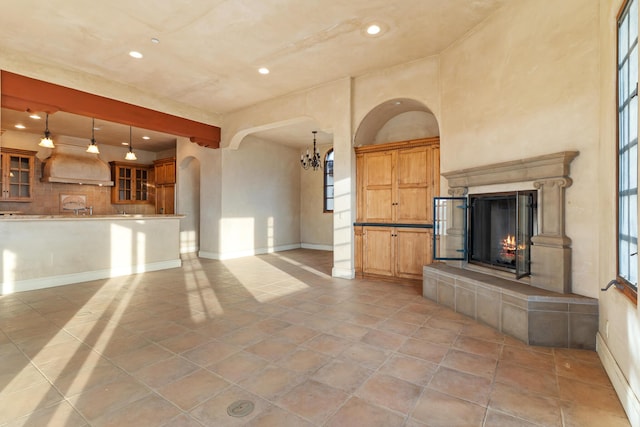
<point x="554" y="165"/>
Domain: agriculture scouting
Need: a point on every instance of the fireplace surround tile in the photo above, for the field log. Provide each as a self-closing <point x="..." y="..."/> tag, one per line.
<point x="532" y="315"/>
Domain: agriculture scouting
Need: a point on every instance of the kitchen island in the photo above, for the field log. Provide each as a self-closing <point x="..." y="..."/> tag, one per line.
<point x="42" y="251"/>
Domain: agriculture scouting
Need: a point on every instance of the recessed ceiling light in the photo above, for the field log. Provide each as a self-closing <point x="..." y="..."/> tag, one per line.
<point x="35" y="116"/>
<point x="19" y="126"/>
<point x="135" y="54"/>
<point x="373" y="29"/>
<point x="155" y="40"/>
<point x="146" y="137"/>
<point x="124" y="143"/>
<point x="263" y="70"/>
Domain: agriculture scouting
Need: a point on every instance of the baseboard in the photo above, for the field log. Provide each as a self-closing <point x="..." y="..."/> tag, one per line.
<point x="343" y="273"/>
<point x="316" y="247"/>
<point x="87" y="276"/>
<point x="248" y="252"/>
<point x="627" y="397"/>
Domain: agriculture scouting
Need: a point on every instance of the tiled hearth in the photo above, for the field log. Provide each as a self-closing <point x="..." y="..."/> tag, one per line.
<point x="534" y="316"/>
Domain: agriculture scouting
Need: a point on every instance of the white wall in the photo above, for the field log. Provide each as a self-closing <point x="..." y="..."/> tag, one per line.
<point x="618" y="344"/>
<point x="407" y="126"/>
<point x="260" y="198"/>
<point x="316" y="226"/>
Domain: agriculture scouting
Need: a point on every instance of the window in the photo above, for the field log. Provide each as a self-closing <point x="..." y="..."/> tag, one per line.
<point x="627" y="191"/>
<point x="328" y="181"/>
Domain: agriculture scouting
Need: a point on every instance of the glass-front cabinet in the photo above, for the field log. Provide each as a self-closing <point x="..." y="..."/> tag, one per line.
<point x="16" y="174"/>
<point x="131" y="183"/>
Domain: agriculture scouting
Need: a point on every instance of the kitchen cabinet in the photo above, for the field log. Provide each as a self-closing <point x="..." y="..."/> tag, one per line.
<point x="165" y="185"/>
<point x="165" y="171"/>
<point x="131" y="183"/>
<point x="396" y="184"/>
<point x="17" y="169"/>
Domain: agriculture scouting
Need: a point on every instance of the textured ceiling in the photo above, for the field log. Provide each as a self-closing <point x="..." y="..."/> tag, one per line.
<point x="209" y="50"/>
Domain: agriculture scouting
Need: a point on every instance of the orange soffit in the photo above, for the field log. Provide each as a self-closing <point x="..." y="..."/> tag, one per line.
<point x="26" y="94"/>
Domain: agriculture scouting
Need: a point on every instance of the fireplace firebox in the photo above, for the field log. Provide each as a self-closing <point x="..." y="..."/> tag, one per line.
<point x="500" y="229"/>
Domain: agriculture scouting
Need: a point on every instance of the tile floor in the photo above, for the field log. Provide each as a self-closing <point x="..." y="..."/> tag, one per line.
<point x="177" y="347"/>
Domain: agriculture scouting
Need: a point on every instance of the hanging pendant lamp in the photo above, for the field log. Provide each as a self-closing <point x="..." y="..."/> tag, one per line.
<point x="46" y="142"/>
<point x="130" y="154"/>
<point x="93" y="147"/>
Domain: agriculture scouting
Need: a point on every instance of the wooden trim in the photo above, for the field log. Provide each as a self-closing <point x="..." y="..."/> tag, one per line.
<point x="6" y="150"/>
<point x="396" y="145"/>
<point x="26" y="94"/>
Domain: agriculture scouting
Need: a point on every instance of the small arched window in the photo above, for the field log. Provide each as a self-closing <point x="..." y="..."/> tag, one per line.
<point x="328" y="181"/>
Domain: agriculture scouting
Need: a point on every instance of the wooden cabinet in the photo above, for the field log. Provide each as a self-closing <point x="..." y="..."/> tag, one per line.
<point x="17" y="169"/>
<point x="165" y="184"/>
<point x="131" y="183"/>
<point x="396" y="184"/>
<point x="165" y="171"/>
<point x="393" y="251"/>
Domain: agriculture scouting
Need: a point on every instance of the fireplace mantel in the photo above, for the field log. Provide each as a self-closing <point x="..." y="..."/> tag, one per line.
<point x="549" y="174"/>
<point x="531" y="169"/>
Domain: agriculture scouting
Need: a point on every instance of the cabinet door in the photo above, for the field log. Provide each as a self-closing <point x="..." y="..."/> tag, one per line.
<point x="165" y="199"/>
<point x="378" y="186"/>
<point x="160" y="174"/>
<point x="415" y="185"/>
<point x="17" y="175"/>
<point x="413" y="251"/>
<point x="378" y="251"/>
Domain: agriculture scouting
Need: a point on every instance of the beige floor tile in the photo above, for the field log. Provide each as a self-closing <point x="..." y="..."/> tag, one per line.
<point x="297" y="334"/>
<point x="140" y="357"/>
<point x="148" y="411"/>
<point x="313" y="401"/>
<point x="439" y="410"/>
<point x="410" y="369"/>
<point x="328" y="344"/>
<point x="272" y="382"/>
<point x="193" y="389"/>
<point x="478" y="346"/>
<point x="272" y="348"/>
<point x="238" y="366"/>
<point x="390" y="392"/>
<point x="530" y="407"/>
<point x="531" y="380"/>
<point x="27" y="400"/>
<point x="165" y="372"/>
<point x="276" y="417"/>
<point x="100" y="401"/>
<point x="213" y="412"/>
<point x="343" y="375"/>
<point x="357" y="412"/>
<point x="424" y="350"/>
<point x="461" y="385"/>
<point x="60" y="414"/>
<point x="342" y="352"/>
<point x="470" y="363"/>
<point x="382" y="339"/>
<point x="304" y="361"/>
<point x="210" y="352"/>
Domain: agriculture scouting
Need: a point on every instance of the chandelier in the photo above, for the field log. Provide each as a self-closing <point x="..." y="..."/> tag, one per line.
<point x="313" y="160"/>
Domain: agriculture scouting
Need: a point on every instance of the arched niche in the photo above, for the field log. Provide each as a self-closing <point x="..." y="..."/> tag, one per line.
<point x="398" y="119"/>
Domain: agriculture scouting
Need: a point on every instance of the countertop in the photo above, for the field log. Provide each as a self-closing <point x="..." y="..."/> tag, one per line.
<point x="71" y="217"/>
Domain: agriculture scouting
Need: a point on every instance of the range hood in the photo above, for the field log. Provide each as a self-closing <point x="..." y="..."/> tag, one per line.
<point x="71" y="164"/>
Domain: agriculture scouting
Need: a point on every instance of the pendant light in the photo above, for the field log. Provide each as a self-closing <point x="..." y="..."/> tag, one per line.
<point x="46" y="142"/>
<point x="93" y="147"/>
<point x="130" y="154"/>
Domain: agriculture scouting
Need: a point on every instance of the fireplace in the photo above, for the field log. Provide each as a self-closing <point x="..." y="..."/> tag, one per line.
<point x="500" y="229"/>
<point x="510" y="216"/>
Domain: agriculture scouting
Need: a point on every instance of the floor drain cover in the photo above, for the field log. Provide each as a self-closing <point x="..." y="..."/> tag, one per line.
<point x="240" y="408"/>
